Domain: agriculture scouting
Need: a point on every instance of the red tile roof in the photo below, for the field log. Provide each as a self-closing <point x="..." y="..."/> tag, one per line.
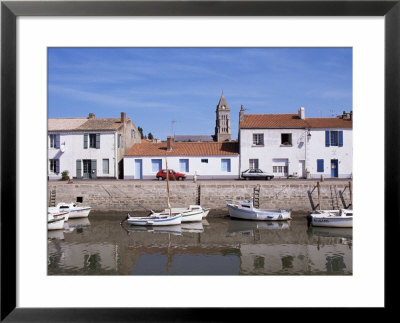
<point x="251" y="121"/>
<point x="184" y="149"/>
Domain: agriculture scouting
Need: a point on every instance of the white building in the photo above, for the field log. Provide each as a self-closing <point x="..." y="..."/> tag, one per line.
<point x="293" y="145"/>
<point x="209" y="160"/>
<point x="89" y="147"/>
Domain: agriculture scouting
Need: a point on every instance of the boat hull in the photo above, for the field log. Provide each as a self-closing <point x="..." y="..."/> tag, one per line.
<point x="258" y="214"/>
<point x="55" y="224"/>
<point x="192" y="216"/>
<point x="332" y="221"/>
<point x="79" y="212"/>
<point x="154" y="220"/>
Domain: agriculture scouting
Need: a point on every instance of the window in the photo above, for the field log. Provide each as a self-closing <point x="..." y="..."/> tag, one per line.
<point x="258" y="139"/>
<point x="253" y="163"/>
<point x="320" y="165"/>
<point x="333" y="138"/>
<point x="286" y="139"/>
<point x="54" y="166"/>
<point x="120" y="141"/>
<point x="54" y="143"/>
<point x="204" y="161"/>
<point x="106" y="166"/>
<point x="133" y="134"/>
<point x="280" y="169"/>
<point x="92" y="140"/>
<point x="226" y="165"/>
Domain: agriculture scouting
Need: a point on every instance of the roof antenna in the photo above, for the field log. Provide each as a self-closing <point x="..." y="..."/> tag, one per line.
<point x="172" y="128"/>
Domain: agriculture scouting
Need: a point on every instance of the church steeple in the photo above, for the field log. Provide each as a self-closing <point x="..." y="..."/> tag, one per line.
<point x="223" y="120"/>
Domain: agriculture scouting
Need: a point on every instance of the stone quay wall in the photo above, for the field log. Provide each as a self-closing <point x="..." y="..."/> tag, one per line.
<point x="142" y="195"/>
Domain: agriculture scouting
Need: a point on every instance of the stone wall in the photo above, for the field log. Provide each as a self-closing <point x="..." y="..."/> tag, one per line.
<point x="144" y="195"/>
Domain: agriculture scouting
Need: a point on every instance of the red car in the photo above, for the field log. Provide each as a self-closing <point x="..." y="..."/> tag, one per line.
<point x="162" y="174"/>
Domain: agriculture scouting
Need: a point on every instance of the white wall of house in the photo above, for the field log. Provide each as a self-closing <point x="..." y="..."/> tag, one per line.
<point x="212" y="169"/>
<point x="300" y="156"/>
<point x="273" y="152"/>
<point x="343" y="155"/>
<point x="71" y="149"/>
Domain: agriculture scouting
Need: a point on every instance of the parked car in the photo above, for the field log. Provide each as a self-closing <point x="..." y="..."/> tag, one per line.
<point x="256" y="174"/>
<point x="162" y="174"/>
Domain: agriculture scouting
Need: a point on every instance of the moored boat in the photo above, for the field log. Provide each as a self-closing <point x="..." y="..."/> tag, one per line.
<point x="55" y="221"/>
<point x="155" y="219"/>
<point x="194" y="213"/>
<point x="74" y="210"/>
<point x="342" y="218"/>
<point x="245" y="210"/>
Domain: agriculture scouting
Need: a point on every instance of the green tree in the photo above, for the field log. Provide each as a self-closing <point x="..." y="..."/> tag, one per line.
<point x="150" y="136"/>
<point x="141" y="132"/>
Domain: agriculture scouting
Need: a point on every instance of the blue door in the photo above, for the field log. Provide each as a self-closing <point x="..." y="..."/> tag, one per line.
<point x="184" y="165"/>
<point x="138" y="169"/>
<point x="156" y="165"/>
<point x="334" y="168"/>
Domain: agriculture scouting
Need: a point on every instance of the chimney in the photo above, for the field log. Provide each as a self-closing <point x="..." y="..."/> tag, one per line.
<point x="302" y="114"/>
<point x="91" y="116"/>
<point x="123" y="117"/>
<point x="241" y="113"/>
<point x="170" y="140"/>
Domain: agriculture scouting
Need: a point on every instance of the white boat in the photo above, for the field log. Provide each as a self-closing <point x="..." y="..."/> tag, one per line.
<point x="245" y="210"/>
<point x="156" y="219"/>
<point x="191" y="208"/>
<point x="164" y="218"/>
<point x="55" y="211"/>
<point x="342" y="218"/>
<point x="55" y="221"/>
<point x="74" y="210"/>
<point x="194" y="213"/>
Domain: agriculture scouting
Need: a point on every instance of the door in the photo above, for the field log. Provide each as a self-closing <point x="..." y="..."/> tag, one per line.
<point x="302" y="169"/>
<point x="184" y="165"/>
<point x="280" y="167"/>
<point x="138" y="169"/>
<point x="334" y="168"/>
<point x="156" y="165"/>
<point x="87" y="168"/>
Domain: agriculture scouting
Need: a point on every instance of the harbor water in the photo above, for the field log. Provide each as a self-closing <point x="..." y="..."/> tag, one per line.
<point x="219" y="245"/>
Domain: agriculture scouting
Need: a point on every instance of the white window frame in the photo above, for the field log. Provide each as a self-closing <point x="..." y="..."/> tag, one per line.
<point x="258" y="139"/>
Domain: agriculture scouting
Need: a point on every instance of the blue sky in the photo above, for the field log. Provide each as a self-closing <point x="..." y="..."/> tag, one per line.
<point x="156" y="86"/>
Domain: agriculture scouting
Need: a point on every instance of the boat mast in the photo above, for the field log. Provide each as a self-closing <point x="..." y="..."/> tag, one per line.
<point x="169" y="205"/>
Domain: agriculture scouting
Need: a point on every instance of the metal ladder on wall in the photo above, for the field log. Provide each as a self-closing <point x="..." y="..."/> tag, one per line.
<point x="52" y="198"/>
<point x="256" y="196"/>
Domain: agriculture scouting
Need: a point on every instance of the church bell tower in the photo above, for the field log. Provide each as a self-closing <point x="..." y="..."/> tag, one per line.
<point x="223" y="121"/>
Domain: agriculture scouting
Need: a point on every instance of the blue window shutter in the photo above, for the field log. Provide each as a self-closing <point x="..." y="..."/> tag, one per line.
<point x="85" y="141"/>
<point x="320" y="165"/>
<point x="57" y="141"/>
<point x="57" y="166"/>
<point x="327" y="138"/>
<point x="341" y="138"/>
<point x="97" y="141"/>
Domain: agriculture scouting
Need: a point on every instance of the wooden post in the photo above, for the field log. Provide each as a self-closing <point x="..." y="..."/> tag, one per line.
<point x="350" y="190"/>
<point x="319" y="192"/>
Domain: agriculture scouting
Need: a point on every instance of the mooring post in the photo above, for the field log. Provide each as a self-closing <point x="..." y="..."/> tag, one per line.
<point x="319" y="192"/>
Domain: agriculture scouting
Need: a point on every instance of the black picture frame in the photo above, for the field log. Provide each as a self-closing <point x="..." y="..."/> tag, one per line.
<point x="10" y="10"/>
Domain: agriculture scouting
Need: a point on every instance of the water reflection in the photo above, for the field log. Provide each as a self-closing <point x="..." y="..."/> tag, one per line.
<point x="216" y="246"/>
